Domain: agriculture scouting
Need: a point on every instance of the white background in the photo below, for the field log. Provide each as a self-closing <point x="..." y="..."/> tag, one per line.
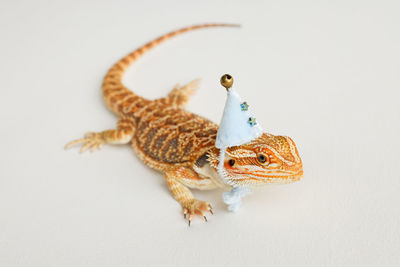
<point x="324" y="73"/>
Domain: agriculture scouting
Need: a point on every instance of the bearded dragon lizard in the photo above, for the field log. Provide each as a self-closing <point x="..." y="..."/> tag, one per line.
<point x="181" y="144"/>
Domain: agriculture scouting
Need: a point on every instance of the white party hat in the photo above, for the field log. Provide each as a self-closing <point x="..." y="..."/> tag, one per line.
<point x="238" y="126"/>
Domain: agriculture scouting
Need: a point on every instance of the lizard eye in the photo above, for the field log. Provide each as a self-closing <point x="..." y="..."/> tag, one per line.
<point x="262" y="159"/>
<point x="231" y="162"/>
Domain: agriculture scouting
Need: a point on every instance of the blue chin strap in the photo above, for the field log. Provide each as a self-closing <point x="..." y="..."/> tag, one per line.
<point x="234" y="197"/>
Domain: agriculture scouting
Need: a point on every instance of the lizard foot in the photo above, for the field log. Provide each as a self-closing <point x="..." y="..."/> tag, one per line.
<point x="195" y="206"/>
<point x="180" y="95"/>
<point x="188" y="89"/>
<point x="90" y="140"/>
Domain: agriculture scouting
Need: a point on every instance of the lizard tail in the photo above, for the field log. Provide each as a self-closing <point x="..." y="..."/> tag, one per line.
<point x="116" y="95"/>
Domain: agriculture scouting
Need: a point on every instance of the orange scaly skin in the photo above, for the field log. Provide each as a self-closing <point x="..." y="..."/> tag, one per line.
<point x="181" y="144"/>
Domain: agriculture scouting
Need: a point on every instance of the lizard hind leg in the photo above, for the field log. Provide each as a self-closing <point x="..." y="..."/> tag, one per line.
<point x="183" y="195"/>
<point x="180" y="95"/>
<point x="95" y="140"/>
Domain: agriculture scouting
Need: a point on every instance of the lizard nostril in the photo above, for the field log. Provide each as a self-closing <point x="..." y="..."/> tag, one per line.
<point x="231" y="162"/>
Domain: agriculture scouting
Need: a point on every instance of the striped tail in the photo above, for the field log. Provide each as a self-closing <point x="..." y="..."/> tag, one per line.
<point x="116" y="95"/>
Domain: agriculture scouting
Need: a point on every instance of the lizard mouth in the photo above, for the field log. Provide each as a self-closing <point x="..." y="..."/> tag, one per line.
<point x="284" y="177"/>
<point x="274" y="177"/>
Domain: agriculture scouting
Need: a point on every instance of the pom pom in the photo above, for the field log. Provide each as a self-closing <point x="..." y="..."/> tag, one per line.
<point x="234" y="197"/>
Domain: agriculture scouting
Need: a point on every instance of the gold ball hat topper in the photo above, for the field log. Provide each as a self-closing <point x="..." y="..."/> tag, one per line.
<point x="227" y="81"/>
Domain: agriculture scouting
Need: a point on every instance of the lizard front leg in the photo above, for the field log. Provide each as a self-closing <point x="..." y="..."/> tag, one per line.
<point x="191" y="206"/>
<point x="122" y="135"/>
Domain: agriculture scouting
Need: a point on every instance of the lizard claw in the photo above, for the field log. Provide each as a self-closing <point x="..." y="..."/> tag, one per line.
<point x="90" y="141"/>
<point x="195" y="206"/>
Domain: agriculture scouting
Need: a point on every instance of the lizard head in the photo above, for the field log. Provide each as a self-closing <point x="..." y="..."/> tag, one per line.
<point x="268" y="159"/>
